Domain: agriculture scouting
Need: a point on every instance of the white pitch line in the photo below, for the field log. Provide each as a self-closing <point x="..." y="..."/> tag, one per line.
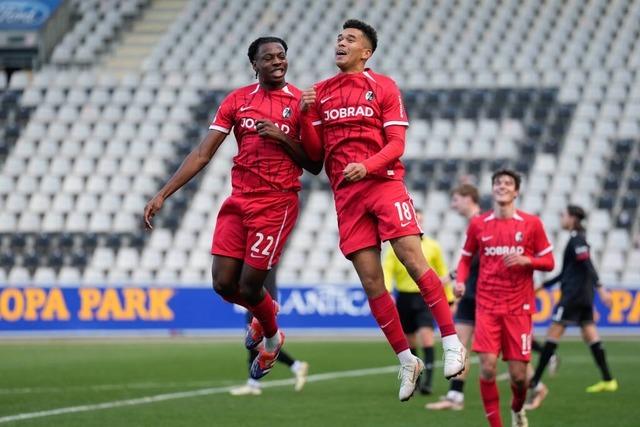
<point x="192" y="393"/>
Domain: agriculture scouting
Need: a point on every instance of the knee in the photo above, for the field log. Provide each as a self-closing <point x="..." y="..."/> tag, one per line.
<point x="373" y="286"/>
<point x="223" y="284"/>
<point x="410" y="261"/>
<point x="488" y="372"/>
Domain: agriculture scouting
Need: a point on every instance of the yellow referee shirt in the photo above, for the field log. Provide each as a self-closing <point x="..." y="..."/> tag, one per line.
<point x="396" y="274"/>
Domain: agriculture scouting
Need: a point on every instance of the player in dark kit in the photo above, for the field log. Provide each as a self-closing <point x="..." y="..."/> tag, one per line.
<point x="357" y="123"/>
<point x="254" y="222"/>
<point x="578" y="279"/>
<point x="465" y="201"/>
<point x="511" y="244"/>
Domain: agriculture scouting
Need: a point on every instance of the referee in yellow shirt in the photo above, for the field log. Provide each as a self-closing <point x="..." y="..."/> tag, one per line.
<point x="415" y="316"/>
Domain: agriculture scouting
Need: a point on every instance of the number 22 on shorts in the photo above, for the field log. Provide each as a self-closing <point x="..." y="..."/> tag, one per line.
<point x="256" y="251"/>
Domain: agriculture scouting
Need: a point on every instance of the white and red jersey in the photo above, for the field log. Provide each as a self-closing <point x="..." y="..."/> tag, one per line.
<point x="261" y="164"/>
<point x="501" y="289"/>
<point x="353" y="110"/>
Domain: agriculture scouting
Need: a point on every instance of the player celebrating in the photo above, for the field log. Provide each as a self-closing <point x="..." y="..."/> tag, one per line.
<point x="465" y="201"/>
<point x="578" y="280"/>
<point x="511" y="244"/>
<point x="254" y="222"/>
<point x="415" y="317"/>
<point x="359" y="126"/>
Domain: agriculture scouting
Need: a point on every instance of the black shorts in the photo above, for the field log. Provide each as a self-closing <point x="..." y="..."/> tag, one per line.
<point x="466" y="312"/>
<point x="573" y="314"/>
<point x="414" y="313"/>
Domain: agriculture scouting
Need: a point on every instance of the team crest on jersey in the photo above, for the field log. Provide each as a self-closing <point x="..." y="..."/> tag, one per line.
<point x="286" y="112"/>
<point x="519" y="236"/>
<point x="369" y="96"/>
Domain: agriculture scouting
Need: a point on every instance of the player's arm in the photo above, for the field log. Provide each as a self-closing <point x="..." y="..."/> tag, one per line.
<point x="268" y="129"/>
<point x="583" y="256"/>
<point x="394" y="122"/>
<point x="311" y="126"/>
<point x="197" y="159"/>
<point x="466" y="256"/>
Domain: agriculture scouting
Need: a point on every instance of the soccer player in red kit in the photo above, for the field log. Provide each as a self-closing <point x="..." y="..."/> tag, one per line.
<point x="511" y="244"/>
<point x="254" y="222"/>
<point x="357" y="123"/>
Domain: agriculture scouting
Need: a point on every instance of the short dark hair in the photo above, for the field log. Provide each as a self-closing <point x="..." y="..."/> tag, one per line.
<point x="509" y="172"/>
<point x="467" y="190"/>
<point x="369" y="32"/>
<point x="577" y="212"/>
<point x="255" y="45"/>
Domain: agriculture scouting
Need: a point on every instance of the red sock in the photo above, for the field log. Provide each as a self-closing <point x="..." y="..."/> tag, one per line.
<point x="265" y="312"/>
<point x="386" y="314"/>
<point x="433" y="295"/>
<point x="519" y="396"/>
<point x="491" y="402"/>
<point x="235" y="299"/>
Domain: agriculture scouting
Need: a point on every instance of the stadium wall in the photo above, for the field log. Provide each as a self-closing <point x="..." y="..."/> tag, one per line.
<point x="177" y="311"/>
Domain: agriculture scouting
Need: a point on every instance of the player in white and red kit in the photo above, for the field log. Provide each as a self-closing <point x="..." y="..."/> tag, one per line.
<point x="511" y="244"/>
<point x="357" y="123"/>
<point x="254" y="222"/>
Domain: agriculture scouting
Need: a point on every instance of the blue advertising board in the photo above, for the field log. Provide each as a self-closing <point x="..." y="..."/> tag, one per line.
<point x="34" y="309"/>
<point x="25" y="14"/>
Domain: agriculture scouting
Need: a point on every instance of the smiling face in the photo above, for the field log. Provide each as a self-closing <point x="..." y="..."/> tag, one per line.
<point x="504" y="190"/>
<point x="352" y="51"/>
<point x="271" y="64"/>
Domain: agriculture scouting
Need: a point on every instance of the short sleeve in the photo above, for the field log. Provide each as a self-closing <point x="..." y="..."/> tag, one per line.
<point x="470" y="246"/>
<point x="541" y="244"/>
<point x="581" y="249"/>
<point x="393" y="112"/>
<point x="224" y="118"/>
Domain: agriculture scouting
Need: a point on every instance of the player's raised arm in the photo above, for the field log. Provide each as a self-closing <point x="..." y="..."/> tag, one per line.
<point x="268" y="129"/>
<point x="197" y="159"/>
<point x="310" y="126"/>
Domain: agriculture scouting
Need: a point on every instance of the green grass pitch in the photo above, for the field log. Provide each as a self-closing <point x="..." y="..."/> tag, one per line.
<point x="44" y="376"/>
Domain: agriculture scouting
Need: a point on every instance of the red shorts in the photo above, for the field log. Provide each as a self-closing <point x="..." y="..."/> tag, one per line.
<point x="373" y="210"/>
<point x="506" y="333"/>
<point x="255" y="227"/>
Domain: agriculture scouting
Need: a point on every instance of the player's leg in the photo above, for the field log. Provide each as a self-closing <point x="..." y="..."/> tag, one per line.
<point x="592" y="339"/>
<point x="428" y="354"/>
<point x="555" y="332"/>
<point x="489" y="388"/>
<point x="516" y="349"/>
<point x="465" y="324"/>
<point x="487" y="344"/>
<point x="225" y="273"/>
<point x="367" y="264"/>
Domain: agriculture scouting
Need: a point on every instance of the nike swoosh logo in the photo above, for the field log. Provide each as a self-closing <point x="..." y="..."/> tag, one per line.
<point x="386" y="324"/>
<point x="323" y="100"/>
<point x="243" y="108"/>
<point x="431" y="305"/>
<point x="486" y="238"/>
<point x="404" y="224"/>
<point x="256" y="256"/>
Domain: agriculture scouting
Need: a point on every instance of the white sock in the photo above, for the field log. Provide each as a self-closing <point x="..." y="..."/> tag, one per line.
<point x="270" y="344"/>
<point x="406" y="357"/>
<point x="451" y="341"/>
<point x="253" y="383"/>
<point x="455" y="396"/>
<point x="296" y="365"/>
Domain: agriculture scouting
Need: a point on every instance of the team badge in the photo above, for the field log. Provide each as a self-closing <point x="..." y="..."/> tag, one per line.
<point x="519" y="236"/>
<point x="369" y="96"/>
<point x="286" y="112"/>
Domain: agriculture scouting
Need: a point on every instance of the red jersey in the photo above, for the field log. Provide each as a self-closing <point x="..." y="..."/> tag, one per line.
<point x="353" y="110"/>
<point x="261" y="164"/>
<point x="501" y="289"/>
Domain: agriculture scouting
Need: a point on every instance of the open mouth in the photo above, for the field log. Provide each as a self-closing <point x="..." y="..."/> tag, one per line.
<point x="277" y="72"/>
<point x="341" y="53"/>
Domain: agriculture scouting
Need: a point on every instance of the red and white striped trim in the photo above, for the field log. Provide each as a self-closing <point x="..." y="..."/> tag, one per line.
<point x="395" y="123"/>
<point x="545" y="251"/>
<point x="219" y="128"/>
